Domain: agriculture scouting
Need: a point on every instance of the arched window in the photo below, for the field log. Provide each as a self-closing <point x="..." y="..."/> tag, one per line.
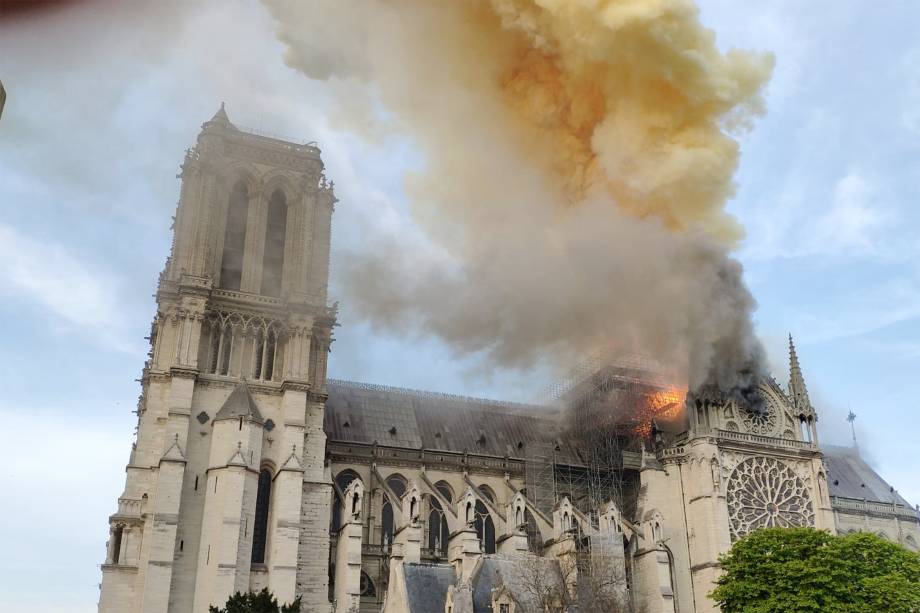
<point x="273" y="256"/>
<point x="806" y="430"/>
<point x="487" y="492"/>
<point x="367" y="586"/>
<point x="263" y="355"/>
<point x="225" y="349"/>
<point x="438" y="533"/>
<point x="445" y="490"/>
<point x="342" y="480"/>
<point x="260" y="527"/>
<point x="534" y="538"/>
<point x="485" y="528"/>
<point x="116" y="543"/>
<point x="386" y="524"/>
<point x="397" y="483"/>
<point x="258" y="354"/>
<point x="231" y="262"/>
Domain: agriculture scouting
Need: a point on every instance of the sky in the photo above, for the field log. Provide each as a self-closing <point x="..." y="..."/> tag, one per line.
<point x="104" y="97"/>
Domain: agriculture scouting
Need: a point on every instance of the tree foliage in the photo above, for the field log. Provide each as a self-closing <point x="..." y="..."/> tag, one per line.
<point x="803" y="570"/>
<point x="252" y="602"/>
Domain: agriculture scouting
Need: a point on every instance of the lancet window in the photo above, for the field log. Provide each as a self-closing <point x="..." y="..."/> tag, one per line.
<point x="240" y="345"/>
<point x="273" y="256"/>
<point x="534" y="538"/>
<point x="485" y="528"/>
<point x="116" y="543"/>
<point x="342" y="480"/>
<point x="438" y="532"/>
<point x="231" y="262"/>
<point x="260" y="527"/>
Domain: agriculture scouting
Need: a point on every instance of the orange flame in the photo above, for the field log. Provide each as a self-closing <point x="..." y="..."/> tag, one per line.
<point x="660" y="406"/>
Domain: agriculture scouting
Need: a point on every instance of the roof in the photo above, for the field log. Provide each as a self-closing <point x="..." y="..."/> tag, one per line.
<point x="849" y="476"/>
<point x="515" y="574"/>
<point x="239" y="403"/>
<point x="365" y="413"/>
<point x="426" y="586"/>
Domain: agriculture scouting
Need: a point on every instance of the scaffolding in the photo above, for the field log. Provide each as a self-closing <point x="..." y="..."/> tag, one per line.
<point x="539" y="478"/>
<point x="606" y="400"/>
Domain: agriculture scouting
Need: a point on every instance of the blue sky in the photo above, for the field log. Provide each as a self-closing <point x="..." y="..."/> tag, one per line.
<point x="103" y="99"/>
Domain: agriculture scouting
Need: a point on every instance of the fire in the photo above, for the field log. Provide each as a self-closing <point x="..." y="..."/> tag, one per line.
<point x="664" y="405"/>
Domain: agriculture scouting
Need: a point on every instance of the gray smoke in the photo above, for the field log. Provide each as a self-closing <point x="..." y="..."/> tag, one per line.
<point x="578" y="157"/>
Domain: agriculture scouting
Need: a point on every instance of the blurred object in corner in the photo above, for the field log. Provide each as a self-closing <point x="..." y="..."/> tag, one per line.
<point x="2" y="98"/>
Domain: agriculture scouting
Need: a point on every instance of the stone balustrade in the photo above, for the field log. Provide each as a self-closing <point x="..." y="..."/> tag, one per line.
<point x="889" y="509"/>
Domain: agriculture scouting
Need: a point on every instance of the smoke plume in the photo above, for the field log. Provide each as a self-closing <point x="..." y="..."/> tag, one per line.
<point x="578" y="158"/>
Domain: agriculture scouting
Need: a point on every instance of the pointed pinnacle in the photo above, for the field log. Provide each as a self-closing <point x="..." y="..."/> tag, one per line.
<point x="797" y="388"/>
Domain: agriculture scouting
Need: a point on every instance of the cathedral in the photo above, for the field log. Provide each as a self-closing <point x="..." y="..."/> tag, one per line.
<point x="251" y="469"/>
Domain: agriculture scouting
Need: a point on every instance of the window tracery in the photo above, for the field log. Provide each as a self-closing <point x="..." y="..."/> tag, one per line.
<point x="438" y="532"/>
<point x="760" y="421"/>
<point x="229" y="333"/>
<point x="764" y="493"/>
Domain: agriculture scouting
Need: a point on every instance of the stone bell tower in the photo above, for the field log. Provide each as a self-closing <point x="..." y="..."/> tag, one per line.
<point x="225" y="487"/>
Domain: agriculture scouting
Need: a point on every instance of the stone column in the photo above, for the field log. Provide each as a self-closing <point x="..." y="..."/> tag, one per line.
<point x="313" y="558"/>
<point x="348" y="566"/>
<point x="225" y="553"/>
<point x="165" y="521"/>
<point x="285" y="529"/>
<point x="463" y="552"/>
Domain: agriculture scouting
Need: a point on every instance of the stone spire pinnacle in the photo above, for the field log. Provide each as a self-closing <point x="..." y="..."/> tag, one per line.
<point x="221" y="115"/>
<point x="797" y="390"/>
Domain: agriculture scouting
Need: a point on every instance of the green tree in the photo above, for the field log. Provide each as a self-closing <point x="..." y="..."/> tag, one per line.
<point x="252" y="602"/>
<point x="803" y="570"/>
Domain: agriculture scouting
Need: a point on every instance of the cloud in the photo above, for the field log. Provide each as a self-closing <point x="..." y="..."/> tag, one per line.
<point x="50" y="564"/>
<point x="67" y="289"/>
<point x="855" y="222"/>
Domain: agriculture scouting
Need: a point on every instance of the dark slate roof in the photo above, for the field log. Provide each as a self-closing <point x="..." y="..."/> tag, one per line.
<point x="239" y="403"/>
<point x="849" y="476"/>
<point x="426" y="586"/>
<point x="514" y="574"/>
<point x="364" y="413"/>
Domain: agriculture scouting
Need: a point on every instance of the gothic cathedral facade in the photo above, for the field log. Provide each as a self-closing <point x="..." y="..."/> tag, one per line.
<point x="251" y="469"/>
<point x="241" y="314"/>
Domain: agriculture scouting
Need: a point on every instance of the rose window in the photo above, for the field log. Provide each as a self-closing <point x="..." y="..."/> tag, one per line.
<point x="762" y="421"/>
<point x="765" y="493"/>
